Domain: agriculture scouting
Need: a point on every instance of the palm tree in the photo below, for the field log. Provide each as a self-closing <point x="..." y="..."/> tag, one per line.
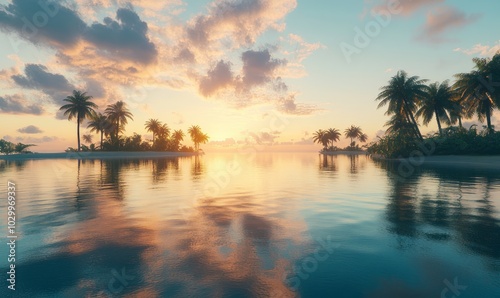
<point x="87" y="138"/>
<point x="352" y="133"/>
<point x="437" y="102"/>
<point x="21" y="148"/>
<point x="163" y="131"/>
<point x="399" y="124"/>
<point x="477" y="89"/>
<point x="402" y="95"/>
<point x="197" y="136"/>
<point x="99" y="123"/>
<point x="177" y="138"/>
<point x="320" y="137"/>
<point x="153" y="125"/>
<point x="79" y="106"/>
<point x="118" y="114"/>
<point x="333" y="135"/>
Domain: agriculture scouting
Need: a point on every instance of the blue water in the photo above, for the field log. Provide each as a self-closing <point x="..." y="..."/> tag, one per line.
<point x="251" y="225"/>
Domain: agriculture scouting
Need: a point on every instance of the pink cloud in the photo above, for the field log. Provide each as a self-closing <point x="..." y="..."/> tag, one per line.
<point x="441" y="21"/>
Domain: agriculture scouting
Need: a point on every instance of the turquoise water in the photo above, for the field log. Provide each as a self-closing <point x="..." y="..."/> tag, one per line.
<point x="245" y="225"/>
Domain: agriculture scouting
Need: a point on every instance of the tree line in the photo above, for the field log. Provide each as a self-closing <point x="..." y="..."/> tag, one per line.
<point x="111" y="124"/>
<point x="328" y="137"/>
<point x="474" y="94"/>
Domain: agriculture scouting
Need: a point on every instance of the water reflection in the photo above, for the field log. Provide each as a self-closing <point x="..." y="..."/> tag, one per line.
<point x="327" y="163"/>
<point x="460" y="207"/>
<point x="106" y="216"/>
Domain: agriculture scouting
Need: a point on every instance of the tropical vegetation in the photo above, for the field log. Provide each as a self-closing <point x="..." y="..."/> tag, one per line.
<point x="110" y="126"/>
<point x="473" y="95"/>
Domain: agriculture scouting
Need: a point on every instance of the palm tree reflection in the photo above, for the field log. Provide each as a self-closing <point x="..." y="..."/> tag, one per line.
<point x="453" y="208"/>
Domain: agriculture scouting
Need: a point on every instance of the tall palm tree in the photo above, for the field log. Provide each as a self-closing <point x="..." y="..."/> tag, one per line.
<point x="353" y="133"/>
<point x="320" y="137"/>
<point x="118" y="114"/>
<point x="402" y="95"/>
<point x="333" y="135"/>
<point x="80" y="107"/>
<point x="477" y="88"/>
<point x="163" y="131"/>
<point x="197" y="136"/>
<point x="177" y="138"/>
<point x="99" y="123"/>
<point x="153" y="125"/>
<point x="437" y="102"/>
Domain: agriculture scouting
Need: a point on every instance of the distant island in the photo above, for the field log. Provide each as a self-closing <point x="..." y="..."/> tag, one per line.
<point x="110" y="126"/>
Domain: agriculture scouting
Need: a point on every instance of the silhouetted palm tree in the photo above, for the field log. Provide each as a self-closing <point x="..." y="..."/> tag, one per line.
<point x="99" y="123"/>
<point x="87" y="138"/>
<point x="197" y="136"/>
<point x="333" y="135"/>
<point x="477" y="88"/>
<point x="79" y="107"/>
<point x="399" y="124"/>
<point x="355" y="132"/>
<point x="320" y="137"/>
<point x="118" y="114"/>
<point x="436" y="103"/>
<point x="163" y="131"/>
<point x="177" y="138"/>
<point x="402" y="95"/>
<point x="153" y="125"/>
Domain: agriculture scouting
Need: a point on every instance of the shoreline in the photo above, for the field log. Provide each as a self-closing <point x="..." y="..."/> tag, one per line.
<point x="96" y="155"/>
<point x="484" y="162"/>
<point x="344" y="153"/>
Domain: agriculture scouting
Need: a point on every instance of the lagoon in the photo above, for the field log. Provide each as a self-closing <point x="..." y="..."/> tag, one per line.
<point x="252" y="225"/>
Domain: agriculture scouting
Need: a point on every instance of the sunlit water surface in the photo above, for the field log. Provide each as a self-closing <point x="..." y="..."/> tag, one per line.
<point x="243" y="225"/>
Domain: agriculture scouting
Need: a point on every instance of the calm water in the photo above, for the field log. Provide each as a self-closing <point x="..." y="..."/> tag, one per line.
<point x="236" y="225"/>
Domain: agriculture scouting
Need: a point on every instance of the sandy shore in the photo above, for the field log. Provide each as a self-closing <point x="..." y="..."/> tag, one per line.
<point x="95" y="155"/>
<point x="345" y="153"/>
<point x="457" y="161"/>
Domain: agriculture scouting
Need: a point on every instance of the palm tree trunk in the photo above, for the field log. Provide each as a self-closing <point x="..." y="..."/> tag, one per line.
<point x="416" y="125"/>
<point x="439" y="123"/>
<point x="78" y="130"/>
<point x="102" y="132"/>
<point x="488" y="121"/>
<point x="411" y="121"/>
<point x="460" y="121"/>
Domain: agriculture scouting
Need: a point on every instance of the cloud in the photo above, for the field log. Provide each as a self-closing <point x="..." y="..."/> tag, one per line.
<point x="241" y="20"/>
<point x="37" y="77"/>
<point x="42" y="21"/>
<point x="30" y="129"/>
<point x="443" y="20"/>
<point x="48" y="22"/>
<point x="482" y="50"/>
<point x="16" y="104"/>
<point x="32" y="140"/>
<point x="216" y="79"/>
<point x="407" y="7"/>
<point x="265" y="137"/>
<point x="258" y="68"/>
<point x="126" y="37"/>
<point x="288" y="105"/>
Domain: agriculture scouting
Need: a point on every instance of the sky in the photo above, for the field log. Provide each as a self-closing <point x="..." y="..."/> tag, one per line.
<point x="269" y="72"/>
